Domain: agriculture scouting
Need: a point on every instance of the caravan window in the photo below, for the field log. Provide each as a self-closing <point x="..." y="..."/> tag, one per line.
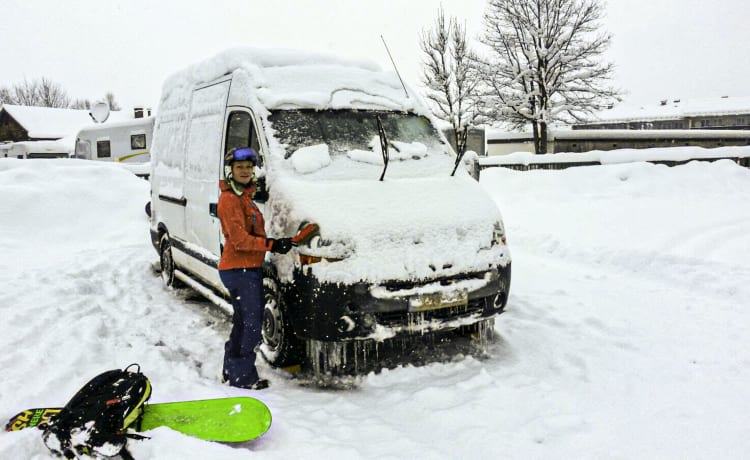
<point x="241" y="133"/>
<point x="137" y="142"/>
<point x="102" y="149"/>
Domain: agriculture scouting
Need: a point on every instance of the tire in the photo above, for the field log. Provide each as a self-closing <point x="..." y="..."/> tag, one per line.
<point x="167" y="262"/>
<point x="281" y="348"/>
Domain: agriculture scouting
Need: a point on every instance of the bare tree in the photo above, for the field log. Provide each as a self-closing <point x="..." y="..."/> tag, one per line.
<point x="450" y="76"/>
<point x="109" y="98"/>
<point x="46" y="93"/>
<point x="41" y="93"/>
<point x="82" y="104"/>
<point x="51" y="94"/>
<point x="5" y="97"/>
<point x="545" y="64"/>
<point x="25" y="93"/>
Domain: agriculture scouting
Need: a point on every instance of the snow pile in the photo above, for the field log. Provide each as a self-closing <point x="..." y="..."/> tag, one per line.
<point x="626" y="334"/>
<point x="619" y="156"/>
<point x="310" y="159"/>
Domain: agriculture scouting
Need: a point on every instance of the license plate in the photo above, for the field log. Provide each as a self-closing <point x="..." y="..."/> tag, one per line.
<point x="437" y="300"/>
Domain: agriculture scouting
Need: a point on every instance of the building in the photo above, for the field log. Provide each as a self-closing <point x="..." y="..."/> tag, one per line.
<point x="26" y="123"/>
<point x="501" y="143"/>
<point x="475" y="140"/>
<point x="707" y="113"/>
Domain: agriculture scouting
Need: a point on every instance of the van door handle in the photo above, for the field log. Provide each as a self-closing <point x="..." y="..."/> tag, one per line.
<point x="181" y="201"/>
<point x="213" y="209"/>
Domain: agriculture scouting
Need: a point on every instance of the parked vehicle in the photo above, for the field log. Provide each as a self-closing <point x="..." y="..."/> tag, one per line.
<point x="405" y="248"/>
<point x="36" y="149"/>
<point x="122" y="141"/>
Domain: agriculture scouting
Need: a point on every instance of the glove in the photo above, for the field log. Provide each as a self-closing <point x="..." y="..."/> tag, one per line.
<point x="280" y="245"/>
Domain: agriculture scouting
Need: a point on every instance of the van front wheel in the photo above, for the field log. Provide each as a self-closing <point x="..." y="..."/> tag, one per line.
<point x="281" y="348"/>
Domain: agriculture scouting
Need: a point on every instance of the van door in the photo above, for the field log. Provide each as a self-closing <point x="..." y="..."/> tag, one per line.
<point x="242" y="132"/>
<point x="203" y="163"/>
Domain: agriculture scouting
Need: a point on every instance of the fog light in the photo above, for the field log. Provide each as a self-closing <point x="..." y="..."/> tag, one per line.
<point x="500" y="300"/>
<point x="345" y="324"/>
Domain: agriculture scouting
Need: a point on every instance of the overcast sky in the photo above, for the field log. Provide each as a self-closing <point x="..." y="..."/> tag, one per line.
<point x="662" y="48"/>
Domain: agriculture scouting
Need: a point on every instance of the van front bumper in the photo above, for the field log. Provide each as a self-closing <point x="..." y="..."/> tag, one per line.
<point x="364" y="311"/>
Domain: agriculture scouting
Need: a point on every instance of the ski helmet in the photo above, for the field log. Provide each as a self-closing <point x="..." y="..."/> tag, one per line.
<point x="241" y="154"/>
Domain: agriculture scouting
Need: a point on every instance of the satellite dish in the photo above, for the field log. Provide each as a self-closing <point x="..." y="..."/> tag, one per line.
<point x="99" y="112"/>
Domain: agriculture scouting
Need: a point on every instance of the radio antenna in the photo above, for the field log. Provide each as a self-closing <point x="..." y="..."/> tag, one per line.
<point x="394" y="67"/>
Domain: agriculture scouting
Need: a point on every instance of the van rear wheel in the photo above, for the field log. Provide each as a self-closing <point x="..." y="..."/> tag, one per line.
<point x="281" y="348"/>
<point x="167" y="262"/>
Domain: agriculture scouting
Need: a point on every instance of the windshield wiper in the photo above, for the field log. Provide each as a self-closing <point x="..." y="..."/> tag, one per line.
<point x="383" y="146"/>
<point x="461" y="147"/>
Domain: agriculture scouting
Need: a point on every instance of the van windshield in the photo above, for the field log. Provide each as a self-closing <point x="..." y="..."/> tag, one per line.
<point x="350" y="130"/>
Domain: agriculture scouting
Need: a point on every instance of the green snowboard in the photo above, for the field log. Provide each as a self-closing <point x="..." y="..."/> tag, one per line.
<point x="238" y="419"/>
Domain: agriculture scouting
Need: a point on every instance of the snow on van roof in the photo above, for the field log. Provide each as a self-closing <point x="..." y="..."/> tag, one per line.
<point x="284" y="78"/>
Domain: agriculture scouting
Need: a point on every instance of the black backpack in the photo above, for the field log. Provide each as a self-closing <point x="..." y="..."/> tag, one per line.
<point x="95" y="421"/>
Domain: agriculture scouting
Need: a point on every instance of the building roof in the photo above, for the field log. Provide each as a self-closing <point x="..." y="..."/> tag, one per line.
<point x="675" y="108"/>
<point x="54" y="123"/>
<point x="497" y="136"/>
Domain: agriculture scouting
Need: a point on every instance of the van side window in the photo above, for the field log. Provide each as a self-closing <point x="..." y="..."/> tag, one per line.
<point x="241" y="133"/>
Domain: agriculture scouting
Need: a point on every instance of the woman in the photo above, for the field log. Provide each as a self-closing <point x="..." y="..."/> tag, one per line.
<point x="240" y="266"/>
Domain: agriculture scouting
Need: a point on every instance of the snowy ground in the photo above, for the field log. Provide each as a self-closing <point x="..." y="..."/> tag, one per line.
<point x="626" y="335"/>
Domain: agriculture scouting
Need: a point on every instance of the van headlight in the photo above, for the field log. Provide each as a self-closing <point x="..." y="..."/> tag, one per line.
<point x="498" y="234"/>
<point x="319" y="249"/>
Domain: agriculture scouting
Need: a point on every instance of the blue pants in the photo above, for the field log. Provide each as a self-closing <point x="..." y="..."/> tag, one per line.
<point x="246" y="288"/>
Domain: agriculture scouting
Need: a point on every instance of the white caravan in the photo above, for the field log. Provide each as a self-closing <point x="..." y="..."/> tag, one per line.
<point x="122" y="141"/>
<point x="406" y="248"/>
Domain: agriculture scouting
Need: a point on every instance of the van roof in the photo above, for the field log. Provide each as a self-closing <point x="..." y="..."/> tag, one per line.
<point x="283" y="78"/>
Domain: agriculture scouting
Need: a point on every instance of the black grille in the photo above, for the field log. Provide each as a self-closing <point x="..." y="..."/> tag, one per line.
<point x="403" y="318"/>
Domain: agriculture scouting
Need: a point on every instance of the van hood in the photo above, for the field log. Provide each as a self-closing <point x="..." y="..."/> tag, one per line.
<point x="400" y="229"/>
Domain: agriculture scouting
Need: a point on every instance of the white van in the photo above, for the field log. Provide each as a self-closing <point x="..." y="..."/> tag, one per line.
<point x="406" y="249"/>
<point x="121" y="141"/>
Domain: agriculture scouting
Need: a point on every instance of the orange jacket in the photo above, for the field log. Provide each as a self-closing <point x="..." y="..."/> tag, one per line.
<point x="242" y="224"/>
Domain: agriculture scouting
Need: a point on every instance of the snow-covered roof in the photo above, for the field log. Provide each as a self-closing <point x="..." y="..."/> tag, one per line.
<point x="670" y="109"/>
<point x="130" y="123"/>
<point x="284" y="78"/>
<point x="622" y="134"/>
<point x="54" y="123"/>
<point x="682" y="153"/>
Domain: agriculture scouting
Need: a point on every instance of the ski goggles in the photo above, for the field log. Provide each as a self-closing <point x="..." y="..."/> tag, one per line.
<point x="243" y="154"/>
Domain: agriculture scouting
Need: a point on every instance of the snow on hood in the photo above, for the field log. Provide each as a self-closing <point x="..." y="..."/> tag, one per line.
<point x="411" y="228"/>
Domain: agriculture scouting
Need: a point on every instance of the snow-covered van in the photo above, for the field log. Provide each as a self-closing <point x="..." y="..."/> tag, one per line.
<point x="405" y="249"/>
<point x="122" y="141"/>
<point x="38" y="149"/>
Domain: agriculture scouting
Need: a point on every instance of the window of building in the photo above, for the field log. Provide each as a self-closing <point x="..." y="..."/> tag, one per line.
<point x="102" y="149"/>
<point x="137" y="141"/>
